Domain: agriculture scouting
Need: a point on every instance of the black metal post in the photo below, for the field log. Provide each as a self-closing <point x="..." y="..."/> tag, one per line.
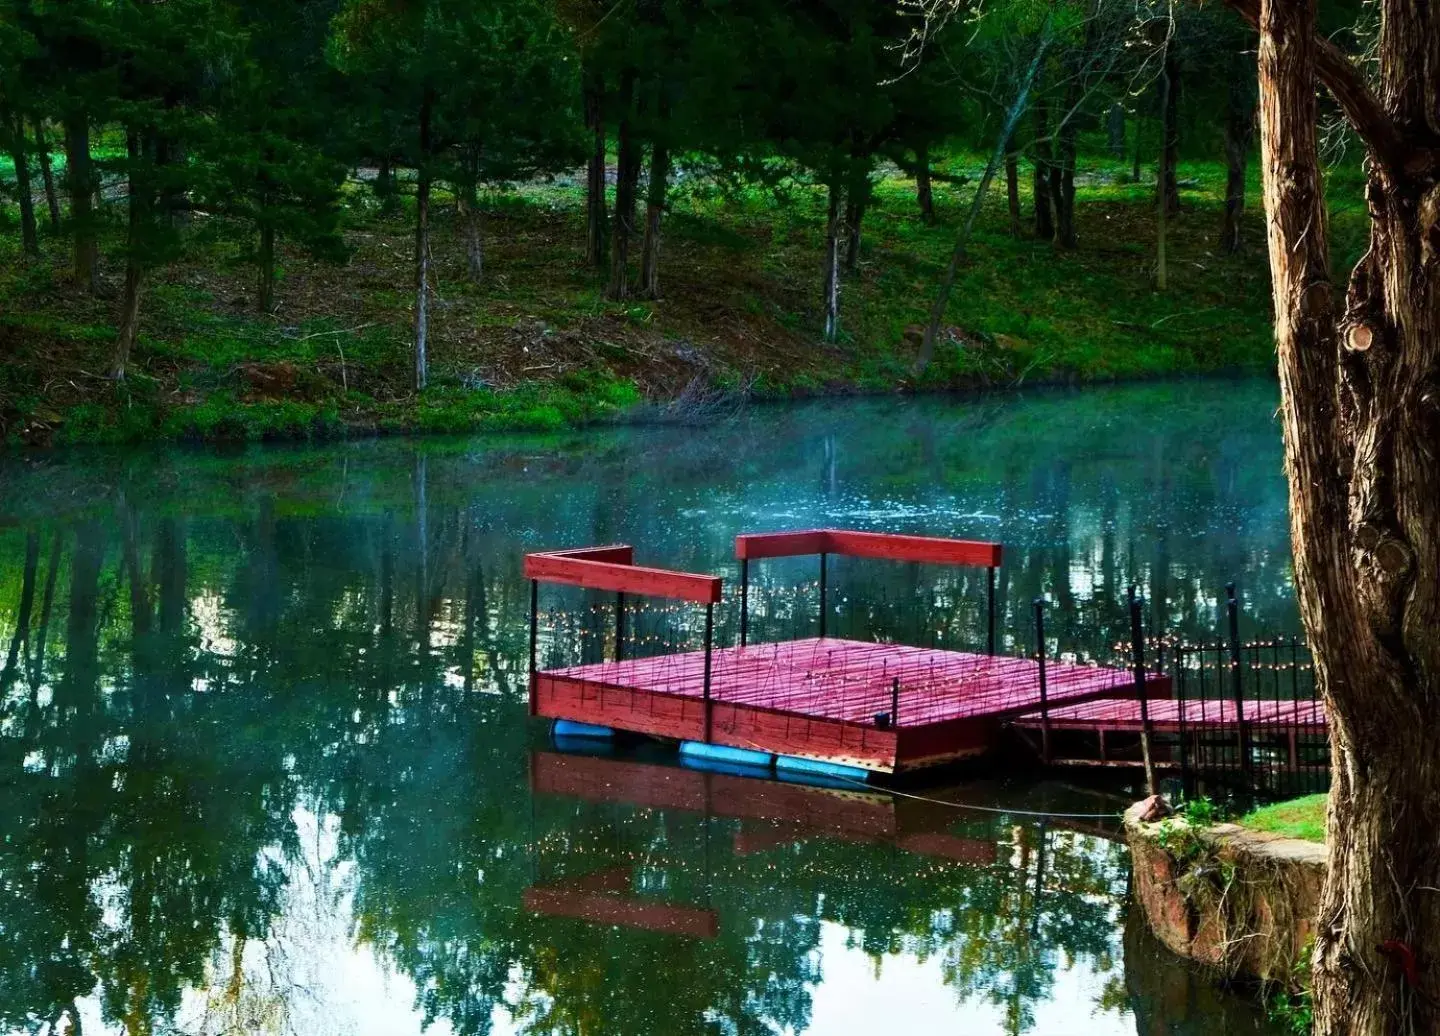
<point x="709" y="640"/>
<point x="744" y="600"/>
<point x="895" y="702"/>
<point x="1044" y="695"/>
<point x="990" y="609"/>
<point x="620" y="626"/>
<point x="823" y="558"/>
<point x="1137" y="648"/>
<point x="534" y="635"/>
<point x="1177" y="661"/>
<point x="1237" y="684"/>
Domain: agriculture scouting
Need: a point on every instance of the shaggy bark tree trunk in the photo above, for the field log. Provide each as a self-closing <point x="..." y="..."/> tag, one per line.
<point x="1166" y="182"/>
<point x="924" y="196"/>
<point x="834" y="228"/>
<point x="422" y="249"/>
<point x="1360" y="384"/>
<point x="627" y="178"/>
<point x="14" y="128"/>
<point x="1044" y="215"/>
<point x="80" y="183"/>
<point x="47" y="173"/>
<point x="594" y="95"/>
<point x="654" y="215"/>
<point x="1239" y="132"/>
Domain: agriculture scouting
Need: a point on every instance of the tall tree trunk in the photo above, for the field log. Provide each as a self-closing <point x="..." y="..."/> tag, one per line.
<point x="80" y="184"/>
<point x="594" y="100"/>
<point x="962" y="240"/>
<point x="1166" y="183"/>
<point x="654" y="213"/>
<point x="1012" y="185"/>
<point x="1163" y="175"/>
<point x="834" y="228"/>
<point x="1115" y="129"/>
<point x="385" y="188"/>
<point x="265" y="276"/>
<point x="14" y="128"/>
<point x="1239" y="132"/>
<point x="471" y="219"/>
<point x="1062" y="176"/>
<point x="139" y="205"/>
<point x="1360" y="403"/>
<point x="422" y="248"/>
<point x="1135" y="163"/>
<point x="855" y="204"/>
<point x="627" y="179"/>
<point x="924" y="197"/>
<point x="1044" y="217"/>
<point x="47" y="173"/>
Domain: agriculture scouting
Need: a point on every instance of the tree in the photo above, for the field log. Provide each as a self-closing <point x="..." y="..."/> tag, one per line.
<point x="1360" y="385"/>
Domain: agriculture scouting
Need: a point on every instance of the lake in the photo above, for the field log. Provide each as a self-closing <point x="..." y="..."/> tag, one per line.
<point x="266" y="764"/>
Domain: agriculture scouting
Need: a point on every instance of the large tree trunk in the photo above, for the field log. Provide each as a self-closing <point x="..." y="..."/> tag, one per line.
<point x="1166" y="182"/>
<point x="1044" y="218"/>
<point x="654" y="214"/>
<point x="14" y="128"/>
<point x="80" y="184"/>
<point x="1361" y="416"/>
<point x="924" y="197"/>
<point x="834" y="228"/>
<point x="47" y="173"/>
<point x="422" y="250"/>
<point x="1239" y="132"/>
<point x="627" y="179"/>
<point x="595" y="252"/>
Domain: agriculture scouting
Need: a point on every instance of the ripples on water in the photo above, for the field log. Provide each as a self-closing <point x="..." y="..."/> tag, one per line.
<point x="265" y="764"/>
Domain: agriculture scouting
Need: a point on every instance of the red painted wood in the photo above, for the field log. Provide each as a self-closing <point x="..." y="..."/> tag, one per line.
<point x="619" y="553"/>
<point x="1124" y="714"/>
<point x="601" y="908"/>
<point x="892" y="546"/>
<point x="819" y="698"/>
<point x="622" y="578"/>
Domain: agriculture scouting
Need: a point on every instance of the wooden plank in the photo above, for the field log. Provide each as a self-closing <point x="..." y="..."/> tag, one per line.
<point x="618" y="553"/>
<point x="753" y="546"/>
<point x="630" y="579"/>
<point x="938" y="550"/>
<point x="629" y="912"/>
<point x="624" y="708"/>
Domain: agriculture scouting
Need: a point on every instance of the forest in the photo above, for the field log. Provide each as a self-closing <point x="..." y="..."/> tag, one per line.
<point x="228" y="220"/>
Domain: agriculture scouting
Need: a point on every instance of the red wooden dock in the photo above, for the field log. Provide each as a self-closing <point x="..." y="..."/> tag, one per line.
<point x="880" y="707"/>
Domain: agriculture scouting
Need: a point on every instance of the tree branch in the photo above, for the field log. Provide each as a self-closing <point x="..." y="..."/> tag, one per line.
<point x="1355" y="98"/>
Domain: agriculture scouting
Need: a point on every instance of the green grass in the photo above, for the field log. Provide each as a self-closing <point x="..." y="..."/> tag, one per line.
<point x="1298" y="818"/>
<point x="537" y="346"/>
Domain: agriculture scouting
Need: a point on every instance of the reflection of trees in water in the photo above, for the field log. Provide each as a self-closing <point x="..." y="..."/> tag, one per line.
<point x="183" y="664"/>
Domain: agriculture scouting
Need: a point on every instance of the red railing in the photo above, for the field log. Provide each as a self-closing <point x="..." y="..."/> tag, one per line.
<point x="937" y="550"/>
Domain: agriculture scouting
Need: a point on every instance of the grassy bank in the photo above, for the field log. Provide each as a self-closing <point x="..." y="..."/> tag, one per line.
<point x="1296" y="818"/>
<point x="535" y="345"/>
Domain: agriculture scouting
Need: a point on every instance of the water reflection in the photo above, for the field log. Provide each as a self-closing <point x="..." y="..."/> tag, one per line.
<point x="265" y="764"/>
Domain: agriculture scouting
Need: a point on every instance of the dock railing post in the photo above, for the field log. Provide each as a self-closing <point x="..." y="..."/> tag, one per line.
<point x="534" y="633"/>
<point x="895" y="702"/>
<point x="990" y="609"/>
<point x="744" y="600"/>
<point x="1137" y="648"/>
<point x="620" y="626"/>
<point x="1237" y="684"/>
<point x="1177" y="662"/>
<point x="824" y="557"/>
<point x="1044" y="695"/>
<point x="709" y="641"/>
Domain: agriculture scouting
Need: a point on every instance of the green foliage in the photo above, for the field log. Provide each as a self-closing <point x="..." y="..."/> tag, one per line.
<point x="1294" y="1008"/>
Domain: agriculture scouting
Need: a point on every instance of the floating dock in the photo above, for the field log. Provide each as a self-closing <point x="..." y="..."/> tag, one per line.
<point x="878" y="707"/>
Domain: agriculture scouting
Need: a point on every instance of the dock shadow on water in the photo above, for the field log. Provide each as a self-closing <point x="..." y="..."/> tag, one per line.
<point x="266" y="767"/>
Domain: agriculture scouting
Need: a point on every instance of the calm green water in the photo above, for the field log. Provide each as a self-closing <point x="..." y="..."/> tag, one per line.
<point x="265" y="764"/>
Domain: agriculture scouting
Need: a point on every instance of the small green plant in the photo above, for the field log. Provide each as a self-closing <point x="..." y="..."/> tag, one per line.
<point x="1294" y="1008"/>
